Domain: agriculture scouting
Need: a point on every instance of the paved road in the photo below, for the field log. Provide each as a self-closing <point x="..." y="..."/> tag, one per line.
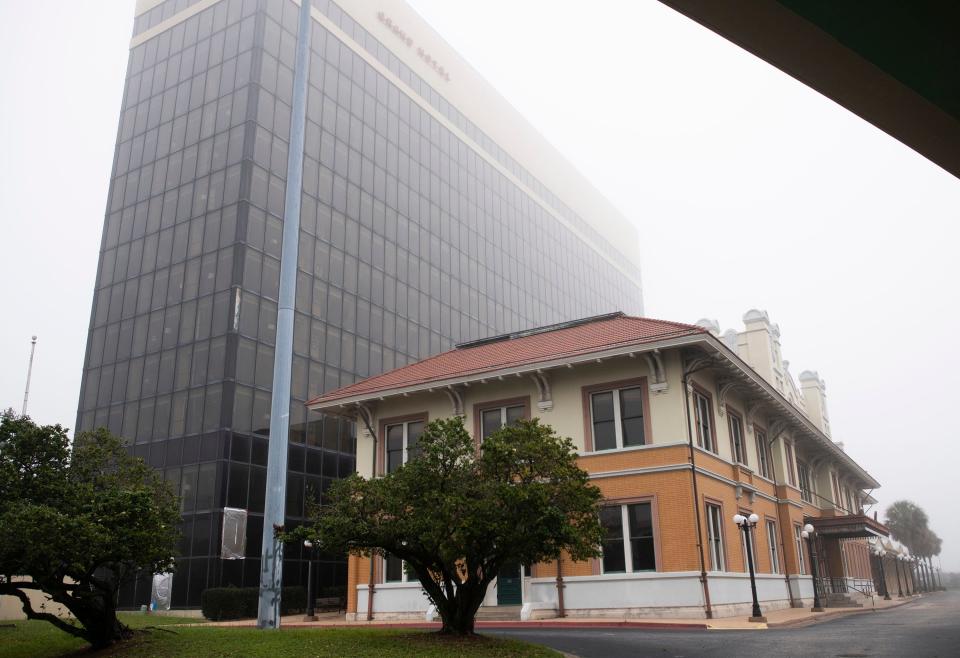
<point x="929" y="627"/>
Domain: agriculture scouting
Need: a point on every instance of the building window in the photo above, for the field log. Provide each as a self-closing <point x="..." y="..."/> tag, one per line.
<point x="633" y="550"/>
<point x="763" y="453"/>
<point x="798" y="542"/>
<point x="803" y="471"/>
<point x="791" y="464"/>
<point x="715" y="537"/>
<point x="704" y="421"/>
<point x="617" y="418"/>
<point x="401" y="443"/>
<point x="737" y="446"/>
<point x="837" y="501"/>
<point x="393" y="570"/>
<point x="494" y="418"/>
<point x="851" y="509"/>
<point x="772" y="544"/>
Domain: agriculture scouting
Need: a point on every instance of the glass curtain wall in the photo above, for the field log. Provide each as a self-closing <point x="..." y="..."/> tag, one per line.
<point x="411" y="240"/>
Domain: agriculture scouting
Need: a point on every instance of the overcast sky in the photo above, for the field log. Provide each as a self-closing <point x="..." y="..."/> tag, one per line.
<point x="749" y="190"/>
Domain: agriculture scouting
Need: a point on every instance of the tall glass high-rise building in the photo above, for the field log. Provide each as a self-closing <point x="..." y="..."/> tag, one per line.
<point x="432" y="213"/>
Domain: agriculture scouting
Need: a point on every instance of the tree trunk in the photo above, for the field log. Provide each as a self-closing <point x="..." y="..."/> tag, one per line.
<point x="98" y="616"/>
<point x="457" y="622"/>
<point x="457" y="612"/>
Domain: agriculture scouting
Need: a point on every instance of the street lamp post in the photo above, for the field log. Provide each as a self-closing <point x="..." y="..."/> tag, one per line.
<point x="883" y="576"/>
<point x="311" y="599"/>
<point x="808" y="535"/>
<point x="747" y="524"/>
<point x="896" y="565"/>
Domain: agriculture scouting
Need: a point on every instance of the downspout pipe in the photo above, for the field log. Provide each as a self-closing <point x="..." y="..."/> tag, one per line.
<point x="561" y="609"/>
<point x="782" y="529"/>
<point x="708" y="609"/>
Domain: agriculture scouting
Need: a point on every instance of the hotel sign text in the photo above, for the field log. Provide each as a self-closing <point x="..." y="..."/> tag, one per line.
<point x="408" y="40"/>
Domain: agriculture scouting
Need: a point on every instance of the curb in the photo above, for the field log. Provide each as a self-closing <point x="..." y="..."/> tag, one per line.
<point x="515" y="624"/>
<point x="597" y="624"/>
<point x="829" y="615"/>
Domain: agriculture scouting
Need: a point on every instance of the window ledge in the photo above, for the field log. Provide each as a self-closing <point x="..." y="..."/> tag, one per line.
<point x="410" y="584"/>
<point x="617" y="451"/>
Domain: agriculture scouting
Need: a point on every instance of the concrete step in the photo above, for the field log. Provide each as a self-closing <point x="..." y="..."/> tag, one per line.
<point x="499" y="613"/>
<point x="843" y="603"/>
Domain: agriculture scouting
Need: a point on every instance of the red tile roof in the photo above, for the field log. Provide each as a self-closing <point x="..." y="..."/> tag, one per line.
<point x="524" y="348"/>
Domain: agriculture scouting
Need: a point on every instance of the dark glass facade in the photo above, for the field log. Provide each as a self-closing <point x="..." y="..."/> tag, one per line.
<point x="411" y="241"/>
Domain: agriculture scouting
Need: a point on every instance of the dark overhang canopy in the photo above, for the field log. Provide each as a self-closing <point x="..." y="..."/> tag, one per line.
<point x="848" y="527"/>
<point x="895" y="64"/>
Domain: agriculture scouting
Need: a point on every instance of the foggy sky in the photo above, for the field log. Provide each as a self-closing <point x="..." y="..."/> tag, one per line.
<point x="749" y="190"/>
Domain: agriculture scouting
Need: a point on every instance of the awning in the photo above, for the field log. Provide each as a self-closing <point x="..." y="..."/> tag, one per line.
<point x="848" y="527"/>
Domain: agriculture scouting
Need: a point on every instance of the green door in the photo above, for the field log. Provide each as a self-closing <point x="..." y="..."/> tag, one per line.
<point x="508" y="585"/>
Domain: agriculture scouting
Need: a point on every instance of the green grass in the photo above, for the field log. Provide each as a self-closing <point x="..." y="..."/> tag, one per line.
<point x="40" y="639"/>
<point x="155" y="637"/>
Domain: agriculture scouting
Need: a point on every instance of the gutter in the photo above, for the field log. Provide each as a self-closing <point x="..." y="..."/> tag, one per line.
<point x="708" y="610"/>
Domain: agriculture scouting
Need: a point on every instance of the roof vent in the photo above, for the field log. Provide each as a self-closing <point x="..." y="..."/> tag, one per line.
<point x="538" y="330"/>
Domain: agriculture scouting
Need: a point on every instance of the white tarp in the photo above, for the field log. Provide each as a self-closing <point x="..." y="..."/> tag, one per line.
<point x="160" y="591"/>
<point x="233" y="544"/>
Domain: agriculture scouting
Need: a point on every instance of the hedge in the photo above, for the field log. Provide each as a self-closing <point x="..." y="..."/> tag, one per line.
<point x="220" y="603"/>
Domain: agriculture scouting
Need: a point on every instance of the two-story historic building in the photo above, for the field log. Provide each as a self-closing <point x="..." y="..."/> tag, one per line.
<point x="679" y="427"/>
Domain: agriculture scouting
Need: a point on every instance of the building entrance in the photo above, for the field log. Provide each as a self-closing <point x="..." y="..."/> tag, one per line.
<point x="509" y="585"/>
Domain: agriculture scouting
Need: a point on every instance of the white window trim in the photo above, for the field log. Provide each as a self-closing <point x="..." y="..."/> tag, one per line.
<point x="806" y="494"/>
<point x="798" y="542"/>
<point x="772" y="546"/>
<point x="404" y="576"/>
<point x="405" y="452"/>
<point x="708" y="417"/>
<point x="503" y="414"/>
<point x="764" y="461"/>
<point x="715" y="537"/>
<point x="625" y="539"/>
<point x="790" y="452"/>
<point x="737" y="421"/>
<point x="617" y="420"/>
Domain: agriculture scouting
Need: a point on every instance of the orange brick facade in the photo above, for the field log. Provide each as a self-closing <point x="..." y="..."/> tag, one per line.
<point x="677" y="477"/>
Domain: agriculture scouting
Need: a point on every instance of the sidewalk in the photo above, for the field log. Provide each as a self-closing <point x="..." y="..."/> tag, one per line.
<point x="775" y="619"/>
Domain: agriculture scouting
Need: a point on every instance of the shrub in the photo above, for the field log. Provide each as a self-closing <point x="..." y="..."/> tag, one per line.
<point x="218" y="603"/>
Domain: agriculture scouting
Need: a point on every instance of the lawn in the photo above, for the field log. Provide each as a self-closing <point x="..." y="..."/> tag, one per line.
<point x="157" y="636"/>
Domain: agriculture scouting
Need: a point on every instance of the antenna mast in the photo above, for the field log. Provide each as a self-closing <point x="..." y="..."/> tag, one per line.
<point x="26" y="391"/>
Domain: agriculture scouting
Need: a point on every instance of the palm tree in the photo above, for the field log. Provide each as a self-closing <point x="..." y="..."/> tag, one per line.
<point x="908" y="524"/>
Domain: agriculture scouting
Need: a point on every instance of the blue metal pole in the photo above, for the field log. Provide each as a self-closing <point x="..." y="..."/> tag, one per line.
<point x="271" y="563"/>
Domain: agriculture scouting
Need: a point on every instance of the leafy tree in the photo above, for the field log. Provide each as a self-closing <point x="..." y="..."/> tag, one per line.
<point x="456" y="514"/>
<point x="78" y="523"/>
